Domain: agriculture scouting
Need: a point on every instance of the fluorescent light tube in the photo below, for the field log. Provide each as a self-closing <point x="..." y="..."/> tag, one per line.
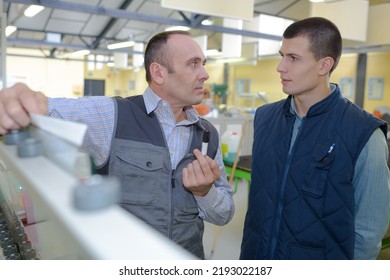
<point x="182" y="28"/>
<point x="33" y="10"/>
<point x="9" y="30"/>
<point x="81" y="53"/>
<point x="121" y="45"/>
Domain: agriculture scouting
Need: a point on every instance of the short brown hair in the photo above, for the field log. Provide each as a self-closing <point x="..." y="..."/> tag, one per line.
<point x="324" y="36"/>
<point x="156" y="52"/>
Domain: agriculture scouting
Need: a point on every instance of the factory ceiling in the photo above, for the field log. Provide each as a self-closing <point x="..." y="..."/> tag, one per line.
<point x="70" y="25"/>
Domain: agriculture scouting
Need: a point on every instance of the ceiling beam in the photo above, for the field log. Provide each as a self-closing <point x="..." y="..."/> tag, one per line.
<point x="117" y="13"/>
<point x="32" y="42"/>
<point x="110" y="24"/>
<point x="63" y="33"/>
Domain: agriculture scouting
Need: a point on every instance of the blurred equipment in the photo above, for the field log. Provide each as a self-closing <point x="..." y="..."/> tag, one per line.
<point x="229" y="142"/>
<point x="51" y="207"/>
<point x="219" y="93"/>
<point x="383" y="112"/>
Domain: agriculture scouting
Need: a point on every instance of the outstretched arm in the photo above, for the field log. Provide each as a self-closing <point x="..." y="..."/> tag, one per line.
<point x="16" y="103"/>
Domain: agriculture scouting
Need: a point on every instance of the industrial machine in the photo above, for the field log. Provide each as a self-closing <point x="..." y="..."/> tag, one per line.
<point x="53" y="207"/>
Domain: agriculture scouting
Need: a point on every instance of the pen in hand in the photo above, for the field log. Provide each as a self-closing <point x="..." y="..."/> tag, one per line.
<point x="205" y="142"/>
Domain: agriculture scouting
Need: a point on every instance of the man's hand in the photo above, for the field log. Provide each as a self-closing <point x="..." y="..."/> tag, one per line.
<point x="16" y="103"/>
<point x="199" y="176"/>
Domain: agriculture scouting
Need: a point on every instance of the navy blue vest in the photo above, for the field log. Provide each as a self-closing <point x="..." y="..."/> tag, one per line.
<point x="301" y="206"/>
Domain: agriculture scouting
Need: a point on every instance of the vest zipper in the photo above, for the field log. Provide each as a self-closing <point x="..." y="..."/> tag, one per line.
<point x="279" y="211"/>
<point x="170" y="227"/>
<point x="275" y="237"/>
<point x="173" y="178"/>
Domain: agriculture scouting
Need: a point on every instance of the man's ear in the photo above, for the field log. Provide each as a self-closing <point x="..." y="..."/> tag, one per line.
<point x="326" y="65"/>
<point x="157" y="73"/>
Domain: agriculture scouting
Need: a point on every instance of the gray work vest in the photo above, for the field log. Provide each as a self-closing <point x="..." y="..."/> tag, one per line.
<point x="151" y="190"/>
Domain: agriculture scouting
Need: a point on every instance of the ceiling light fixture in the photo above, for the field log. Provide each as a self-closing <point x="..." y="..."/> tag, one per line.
<point x="207" y="22"/>
<point x="9" y="30"/>
<point x="81" y="53"/>
<point x="121" y="45"/>
<point x="179" y="27"/>
<point x="317" y="1"/>
<point x="33" y="10"/>
<point x="213" y="53"/>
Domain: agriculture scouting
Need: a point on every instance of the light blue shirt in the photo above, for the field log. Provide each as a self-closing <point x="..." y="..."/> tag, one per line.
<point x="98" y="112"/>
<point x="371" y="183"/>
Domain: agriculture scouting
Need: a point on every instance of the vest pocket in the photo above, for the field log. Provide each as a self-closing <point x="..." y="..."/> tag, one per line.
<point x="135" y="170"/>
<point x="183" y="199"/>
<point x="317" y="173"/>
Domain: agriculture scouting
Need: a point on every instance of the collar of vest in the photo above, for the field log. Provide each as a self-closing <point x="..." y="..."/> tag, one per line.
<point x="319" y="108"/>
<point x="199" y="124"/>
